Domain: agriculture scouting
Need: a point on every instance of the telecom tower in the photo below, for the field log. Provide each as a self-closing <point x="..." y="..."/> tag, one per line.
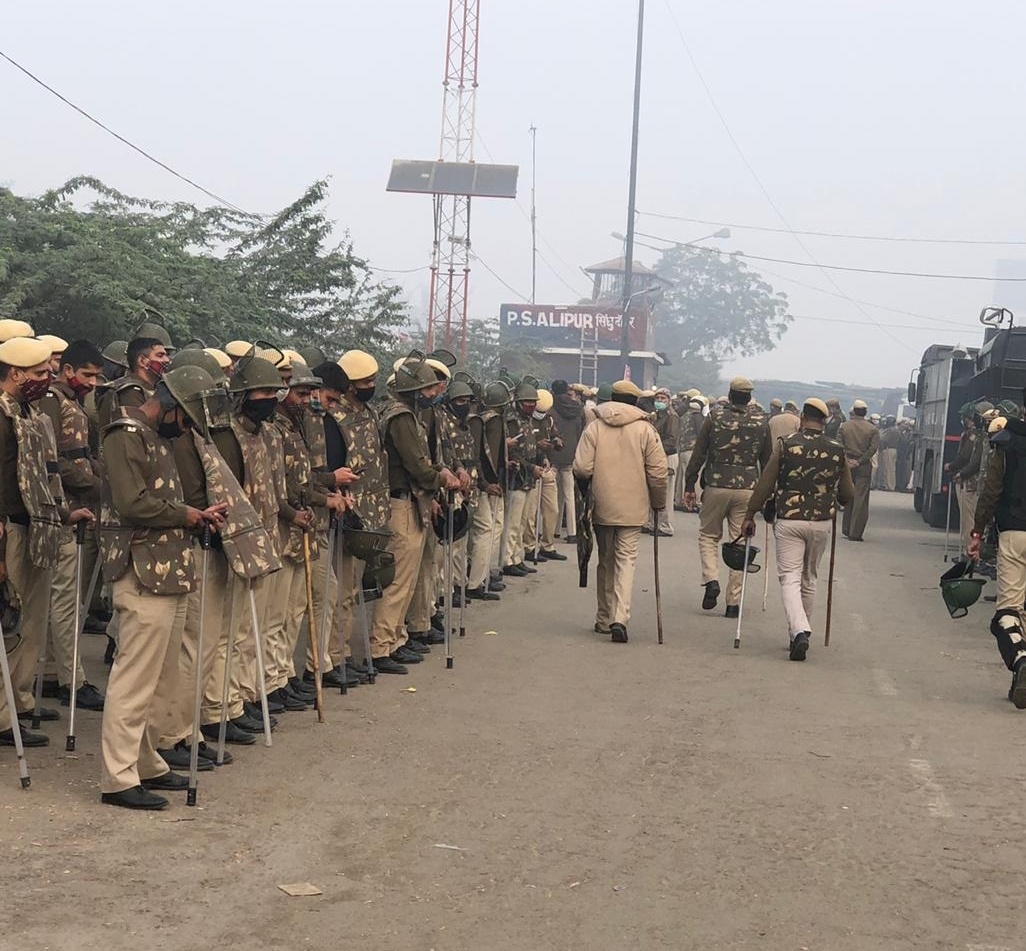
<point x="453" y="180"/>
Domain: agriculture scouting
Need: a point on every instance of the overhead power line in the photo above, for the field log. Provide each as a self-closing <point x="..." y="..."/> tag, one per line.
<point x="122" y="139"/>
<point x="867" y="323"/>
<point x="832" y="234"/>
<point x="480" y="260"/>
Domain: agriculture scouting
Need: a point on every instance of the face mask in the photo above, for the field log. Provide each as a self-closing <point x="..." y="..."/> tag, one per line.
<point x="32" y="390"/>
<point x="316" y="406"/>
<point x="157" y="369"/>
<point x="425" y="401"/>
<point x="660" y="406"/>
<point x="81" y="390"/>
<point x="538" y="415"/>
<point x="259" y="411"/>
<point x="527" y="409"/>
<point x="460" y="412"/>
<point x="365" y="393"/>
<point x="169" y="429"/>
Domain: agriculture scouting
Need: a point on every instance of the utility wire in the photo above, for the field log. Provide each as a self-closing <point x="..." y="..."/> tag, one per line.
<point x="832" y="234"/>
<point x="480" y="260"/>
<point x="122" y="139"/>
<point x="866" y="323"/>
<point x="397" y="270"/>
<point x="758" y="180"/>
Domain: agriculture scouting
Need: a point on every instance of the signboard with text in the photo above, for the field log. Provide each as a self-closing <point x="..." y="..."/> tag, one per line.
<point x="562" y="325"/>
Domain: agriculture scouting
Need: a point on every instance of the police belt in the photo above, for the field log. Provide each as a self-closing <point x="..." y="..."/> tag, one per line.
<point x="80" y="453"/>
<point x="19" y="519"/>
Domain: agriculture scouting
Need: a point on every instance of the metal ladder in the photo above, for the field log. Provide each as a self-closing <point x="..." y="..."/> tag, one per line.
<point x="589" y="356"/>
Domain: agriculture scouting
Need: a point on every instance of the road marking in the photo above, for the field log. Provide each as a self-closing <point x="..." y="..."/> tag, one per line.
<point x="884" y="683"/>
<point x="936" y="802"/>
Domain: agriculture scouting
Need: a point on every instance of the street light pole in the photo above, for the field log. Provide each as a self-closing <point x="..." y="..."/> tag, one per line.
<point x="632" y="191"/>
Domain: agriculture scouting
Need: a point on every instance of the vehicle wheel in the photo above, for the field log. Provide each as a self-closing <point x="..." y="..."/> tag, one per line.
<point x="927" y="498"/>
<point x="917" y="501"/>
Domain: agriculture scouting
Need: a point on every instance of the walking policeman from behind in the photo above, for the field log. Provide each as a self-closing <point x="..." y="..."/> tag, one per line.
<point x="732" y="448"/>
<point x="1003" y="498"/>
<point x="803" y="483"/>
<point x="860" y="439"/>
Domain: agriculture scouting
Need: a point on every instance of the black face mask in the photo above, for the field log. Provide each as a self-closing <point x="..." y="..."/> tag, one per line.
<point x="365" y="393"/>
<point x="259" y="411"/>
<point x="460" y="412"/>
<point x="169" y="430"/>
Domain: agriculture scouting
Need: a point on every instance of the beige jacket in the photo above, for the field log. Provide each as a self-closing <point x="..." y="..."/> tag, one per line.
<point x="622" y="454"/>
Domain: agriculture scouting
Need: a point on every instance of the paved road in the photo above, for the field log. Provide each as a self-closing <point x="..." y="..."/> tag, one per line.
<point x="597" y="796"/>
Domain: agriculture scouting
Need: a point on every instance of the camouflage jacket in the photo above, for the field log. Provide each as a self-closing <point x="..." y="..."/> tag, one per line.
<point x="690" y="425"/>
<point x="544" y="429"/>
<point x="441" y="447"/>
<point x="806" y="477"/>
<point x="79" y="469"/>
<point x="365" y="453"/>
<point x="465" y="453"/>
<point x="261" y="477"/>
<point x="493" y="447"/>
<point x="144" y="529"/>
<point x="112" y="398"/>
<point x="299" y="493"/>
<point x="732" y="448"/>
<point x="524" y="454"/>
<point x="38" y="480"/>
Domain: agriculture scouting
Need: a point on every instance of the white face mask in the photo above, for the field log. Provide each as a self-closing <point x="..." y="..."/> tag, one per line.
<point x="538" y="415"/>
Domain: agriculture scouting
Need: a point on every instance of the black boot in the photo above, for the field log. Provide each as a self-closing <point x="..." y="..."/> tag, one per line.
<point x="712" y="595"/>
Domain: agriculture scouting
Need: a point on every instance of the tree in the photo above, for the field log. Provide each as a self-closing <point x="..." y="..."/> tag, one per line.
<point x="96" y="271"/>
<point x="715" y="308"/>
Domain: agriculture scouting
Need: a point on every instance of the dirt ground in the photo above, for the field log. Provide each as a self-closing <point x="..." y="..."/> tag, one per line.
<point x="556" y="791"/>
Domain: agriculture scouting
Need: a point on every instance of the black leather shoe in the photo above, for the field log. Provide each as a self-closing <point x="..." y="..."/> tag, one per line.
<point x="418" y="647"/>
<point x="1017" y="692"/>
<point x="209" y="752"/>
<point x="385" y="665"/>
<point x="296" y="696"/>
<point x="232" y="734"/>
<point x="526" y="570"/>
<point x="428" y="637"/>
<point x="94" y="626"/>
<point x="254" y="711"/>
<point x="45" y="714"/>
<point x="361" y="670"/>
<point x="87" y="697"/>
<point x="170" y="781"/>
<point x="135" y="798"/>
<point x="301" y="687"/>
<point x="251" y="725"/>
<point x="404" y="655"/>
<point x="529" y="556"/>
<point x="618" y="633"/>
<point x="330" y="678"/>
<point x="552" y="555"/>
<point x="27" y="738"/>
<point x="733" y="610"/>
<point x="288" y="701"/>
<point x="571" y="539"/>
<point x="712" y="595"/>
<point x="496" y="586"/>
<point x="481" y="594"/>
<point x="495" y="574"/>
<point x="515" y="571"/>
<point x="799" y="646"/>
<point x="438" y="622"/>
<point x="178" y="758"/>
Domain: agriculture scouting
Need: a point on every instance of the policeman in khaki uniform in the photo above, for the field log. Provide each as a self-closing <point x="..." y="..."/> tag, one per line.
<point x="486" y="530"/>
<point x="147" y="555"/>
<point x="691" y="422"/>
<point x="547" y="439"/>
<point x="860" y="439"/>
<point x="81" y="477"/>
<point x="33" y="515"/>
<point x="668" y="426"/>
<point x="732" y="448"/>
<point x="413" y="480"/>
<point x="147" y="357"/>
<point x="804" y="482"/>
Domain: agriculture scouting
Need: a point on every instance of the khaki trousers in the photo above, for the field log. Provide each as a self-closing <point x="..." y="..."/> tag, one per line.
<point x="485" y="538"/>
<point x="346" y="620"/>
<point x="285" y="590"/>
<point x="887" y="476"/>
<point x="33" y="587"/>
<point x="245" y="672"/>
<point x="63" y="595"/>
<point x="407" y="545"/>
<point x="143" y="681"/>
<point x="1011" y="572"/>
<point x="422" y="604"/>
<point x="717" y="505"/>
<point x="617" y="557"/>
<point x="549" y="508"/>
<point x="800" y="546"/>
<point x="178" y="724"/>
<point x="234" y="602"/>
<point x="683" y="458"/>
<point x="856" y="514"/>
<point x="566" y="503"/>
<point x="337" y="647"/>
<point x="665" y="525"/>
<point x="967" y="499"/>
<point x="530" y="519"/>
<point x="516" y="502"/>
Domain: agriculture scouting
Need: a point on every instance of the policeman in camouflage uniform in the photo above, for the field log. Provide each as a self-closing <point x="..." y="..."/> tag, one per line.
<point x="523" y="473"/>
<point x="413" y="481"/>
<point x="668" y="426"/>
<point x="861" y="440"/>
<point x="732" y="448"/>
<point x="147" y="357"/>
<point x="147" y="555"/>
<point x="691" y="421"/>
<point x="965" y="468"/>
<point x="804" y="482"/>
<point x="33" y="515"/>
<point x="81" y="477"/>
<point x="465" y="444"/>
<point x="547" y="439"/>
<point x="486" y="529"/>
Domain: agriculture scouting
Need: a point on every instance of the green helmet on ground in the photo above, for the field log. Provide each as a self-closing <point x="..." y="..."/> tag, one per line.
<point x="255" y="373"/>
<point x="959" y="589"/>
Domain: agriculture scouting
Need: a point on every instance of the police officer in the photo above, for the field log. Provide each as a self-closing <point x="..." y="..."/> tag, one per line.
<point x="804" y="481"/>
<point x="965" y="469"/>
<point x="784" y="423"/>
<point x="413" y="481"/>
<point x="732" y="448"/>
<point x="524" y="471"/>
<point x="861" y="440"/>
<point x="543" y="501"/>
<point x="486" y="529"/>
<point x="835" y="420"/>
<point x="148" y="558"/>
<point x="668" y="426"/>
<point x="690" y="425"/>
<point x="147" y="358"/>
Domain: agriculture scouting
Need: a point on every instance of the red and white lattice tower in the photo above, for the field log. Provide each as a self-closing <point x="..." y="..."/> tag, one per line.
<point x="450" y="258"/>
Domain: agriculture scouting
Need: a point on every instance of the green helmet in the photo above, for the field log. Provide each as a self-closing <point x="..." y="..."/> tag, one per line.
<point x="461" y="376"/>
<point x="187" y="384"/>
<point x="413" y="375"/>
<point x="445" y="357"/>
<point x="156" y="331"/>
<point x="314" y="356"/>
<point x="959" y="589"/>
<point x="302" y="375"/>
<point x="734" y="556"/>
<point x="605" y="393"/>
<point x="457" y="389"/>
<point x="364" y="544"/>
<point x="195" y="343"/>
<point x="527" y="389"/>
<point x="188" y="357"/>
<point x="255" y="373"/>
<point x="117" y="352"/>
<point x="496" y="395"/>
<point x="378" y="574"/>
<point x="1009" y="408"/>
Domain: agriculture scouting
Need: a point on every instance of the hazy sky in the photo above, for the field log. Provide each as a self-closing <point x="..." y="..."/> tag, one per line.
<point x="900" y="118"/>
